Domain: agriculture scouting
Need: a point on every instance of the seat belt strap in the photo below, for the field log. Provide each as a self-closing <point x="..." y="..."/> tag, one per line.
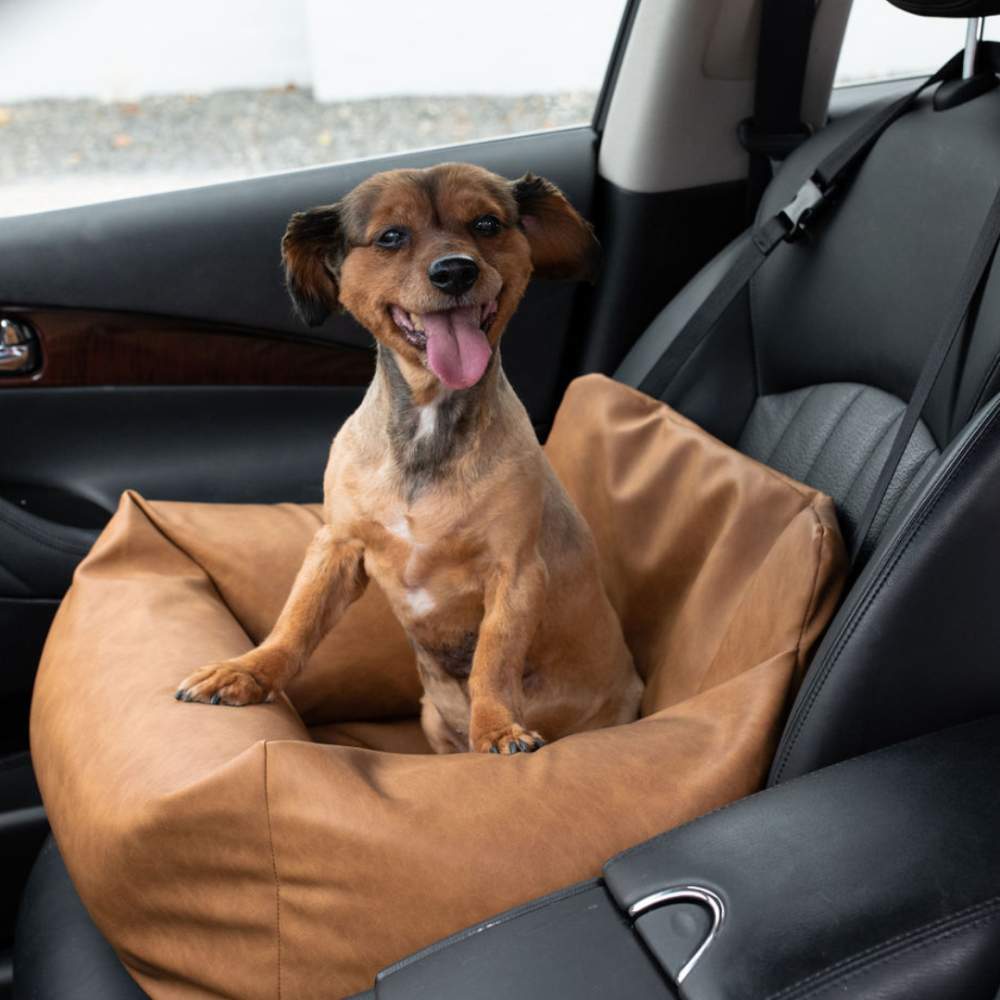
<point x="776" y="127"/>
<point x="833" y="172"/>
<point x="955" y="322"/>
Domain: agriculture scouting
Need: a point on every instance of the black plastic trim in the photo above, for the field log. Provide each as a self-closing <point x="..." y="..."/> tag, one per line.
<point x="653" y="244"/>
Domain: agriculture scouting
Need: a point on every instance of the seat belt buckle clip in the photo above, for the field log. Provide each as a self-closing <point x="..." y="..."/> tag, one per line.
<point x="801" y="208"/>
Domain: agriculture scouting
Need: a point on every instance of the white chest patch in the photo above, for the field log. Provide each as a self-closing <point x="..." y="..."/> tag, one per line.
<point x="401" y="529"/>
<point x="426" y="421"/>
<point x="421" y="601"/>
<point x="427" y="416"/>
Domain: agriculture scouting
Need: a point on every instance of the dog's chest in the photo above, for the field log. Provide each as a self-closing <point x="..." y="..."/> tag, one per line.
<point x="426" y="565"/>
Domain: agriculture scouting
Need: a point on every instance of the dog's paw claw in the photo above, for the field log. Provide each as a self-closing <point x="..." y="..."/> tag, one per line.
<point x="224" y="684"/>
<point x="509" y="741"/>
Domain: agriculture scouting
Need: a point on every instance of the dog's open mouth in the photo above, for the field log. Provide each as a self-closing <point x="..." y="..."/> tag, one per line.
<point x="455" y="340"/>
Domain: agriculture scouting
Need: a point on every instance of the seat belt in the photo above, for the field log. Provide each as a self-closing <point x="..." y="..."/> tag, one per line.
<point x="955" y="321"/>
<point x="776" y="127"/>
<point x="833" y="173"/>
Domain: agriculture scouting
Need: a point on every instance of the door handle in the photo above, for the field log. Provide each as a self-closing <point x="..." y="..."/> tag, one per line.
<point x="19" y="350"/>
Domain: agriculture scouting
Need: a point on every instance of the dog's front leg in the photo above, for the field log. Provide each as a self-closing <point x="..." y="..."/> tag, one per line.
<point x="332" y="577"/>
<point x="513" y="602"/>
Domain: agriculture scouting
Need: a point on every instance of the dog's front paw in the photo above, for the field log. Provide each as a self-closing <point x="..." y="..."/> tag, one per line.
<point x="225" y="684"/>
<point x="508" y="740"/>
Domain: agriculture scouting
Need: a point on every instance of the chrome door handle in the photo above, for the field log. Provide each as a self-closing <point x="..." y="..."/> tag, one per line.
<point x="19" y="352"/>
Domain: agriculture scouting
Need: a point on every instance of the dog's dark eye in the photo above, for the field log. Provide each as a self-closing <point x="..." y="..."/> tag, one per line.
<point x="392" y="239"/>
<point x="486" y="225"/>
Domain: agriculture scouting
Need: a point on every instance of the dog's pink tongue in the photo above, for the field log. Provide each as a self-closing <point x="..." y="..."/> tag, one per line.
<point x="457" y="350"/>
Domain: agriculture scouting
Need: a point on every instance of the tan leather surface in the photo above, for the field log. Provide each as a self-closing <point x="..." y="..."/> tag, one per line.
<point x="234" y="852"/>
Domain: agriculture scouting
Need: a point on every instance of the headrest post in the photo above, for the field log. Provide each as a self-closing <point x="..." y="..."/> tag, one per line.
<point x="973" y="33"/>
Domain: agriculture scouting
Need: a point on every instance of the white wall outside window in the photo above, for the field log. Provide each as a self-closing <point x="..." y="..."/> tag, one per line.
<point x="122" y="50"/>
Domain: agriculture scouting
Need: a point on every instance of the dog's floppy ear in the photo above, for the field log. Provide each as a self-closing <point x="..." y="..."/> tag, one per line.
<point x="312" y="250"/>
<point x="562" y="242"/>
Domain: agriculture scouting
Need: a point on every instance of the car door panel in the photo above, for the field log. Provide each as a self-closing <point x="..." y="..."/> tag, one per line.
<point x="212" y="254"/>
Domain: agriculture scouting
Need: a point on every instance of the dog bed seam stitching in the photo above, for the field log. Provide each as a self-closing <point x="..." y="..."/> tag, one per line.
<point x="814" y="589"/>
<point x="274" y="870"/>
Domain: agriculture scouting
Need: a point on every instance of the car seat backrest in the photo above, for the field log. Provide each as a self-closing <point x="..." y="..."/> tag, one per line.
<point x="851" y="313"/>
<point x="810" y="372"/>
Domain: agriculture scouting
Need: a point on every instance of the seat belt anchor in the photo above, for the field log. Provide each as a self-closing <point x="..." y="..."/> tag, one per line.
<point x="797" y="213"/>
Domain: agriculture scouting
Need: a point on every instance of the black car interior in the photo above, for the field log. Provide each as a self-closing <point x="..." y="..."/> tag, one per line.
<point x="867" y="866"/>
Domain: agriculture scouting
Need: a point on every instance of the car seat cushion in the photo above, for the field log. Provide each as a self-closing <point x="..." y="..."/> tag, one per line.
<point x="837" y="437"/>
<point x="305" y="844"/>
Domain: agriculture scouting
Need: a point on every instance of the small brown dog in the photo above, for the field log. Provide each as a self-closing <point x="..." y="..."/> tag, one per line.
<point x="436" y="486"/>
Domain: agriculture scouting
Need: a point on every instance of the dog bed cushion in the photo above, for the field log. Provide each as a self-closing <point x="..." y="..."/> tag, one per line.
<point x="294" y="849"/>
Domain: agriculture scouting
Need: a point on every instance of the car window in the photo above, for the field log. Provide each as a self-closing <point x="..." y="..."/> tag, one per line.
<point x="885" y="43"/>
<point x="112" y="98"/>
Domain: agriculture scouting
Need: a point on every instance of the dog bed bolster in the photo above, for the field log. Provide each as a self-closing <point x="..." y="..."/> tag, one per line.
<point x="294" y="849"/>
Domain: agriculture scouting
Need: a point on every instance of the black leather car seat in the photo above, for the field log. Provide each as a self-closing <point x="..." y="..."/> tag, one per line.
<point x="809" y="371"/>
<point x="60" y="954"/>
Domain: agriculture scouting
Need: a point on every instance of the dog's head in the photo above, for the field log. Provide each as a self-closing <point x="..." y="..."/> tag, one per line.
<point x="434" y="262"/>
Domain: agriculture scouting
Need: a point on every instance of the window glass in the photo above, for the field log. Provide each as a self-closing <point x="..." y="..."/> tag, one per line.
<point x="883" y="43"/>
<point x="112" y="98"/>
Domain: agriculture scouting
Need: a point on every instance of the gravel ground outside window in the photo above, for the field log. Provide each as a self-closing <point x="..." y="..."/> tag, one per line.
<point x="55" y="153"/>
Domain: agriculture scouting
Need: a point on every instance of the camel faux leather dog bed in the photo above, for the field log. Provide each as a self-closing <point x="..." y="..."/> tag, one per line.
<point x="294" y="849"/>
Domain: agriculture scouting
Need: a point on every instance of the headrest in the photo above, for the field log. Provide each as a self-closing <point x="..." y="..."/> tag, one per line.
<point x="949" y="8"/>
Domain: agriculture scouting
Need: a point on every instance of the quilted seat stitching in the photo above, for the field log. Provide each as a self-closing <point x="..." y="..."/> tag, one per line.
<point x="791" y="420"/>
<point x="826" y="440"/>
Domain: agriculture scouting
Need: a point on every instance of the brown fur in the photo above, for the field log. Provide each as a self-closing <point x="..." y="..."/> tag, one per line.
<point x="445" y="497"/>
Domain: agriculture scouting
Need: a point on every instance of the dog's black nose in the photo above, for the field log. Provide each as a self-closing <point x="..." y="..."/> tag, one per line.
<point x="454" y="275"/>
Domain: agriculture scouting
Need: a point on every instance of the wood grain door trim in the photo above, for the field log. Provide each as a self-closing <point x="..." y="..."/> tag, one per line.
<point x="93" y="348"/>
